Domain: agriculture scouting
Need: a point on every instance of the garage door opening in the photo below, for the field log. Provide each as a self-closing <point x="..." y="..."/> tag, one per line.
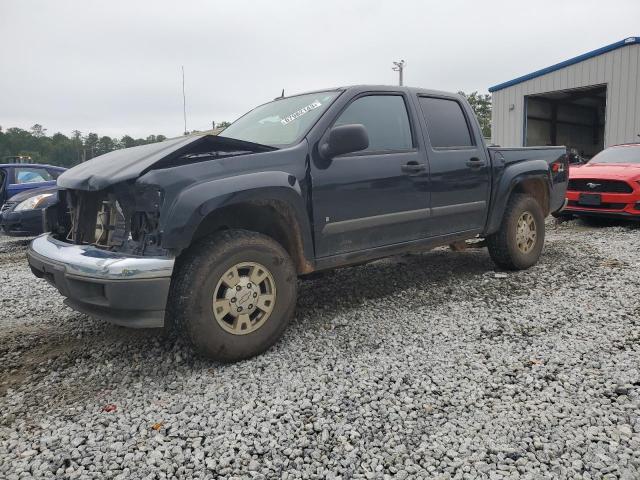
<point x="575" y="118"/>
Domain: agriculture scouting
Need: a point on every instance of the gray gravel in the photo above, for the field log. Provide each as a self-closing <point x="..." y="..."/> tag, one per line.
<point x="425" y="366"/>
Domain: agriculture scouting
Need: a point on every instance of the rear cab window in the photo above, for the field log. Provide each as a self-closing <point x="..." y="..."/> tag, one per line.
<point x="447" y="124"/>
<point x="386" y="119"/>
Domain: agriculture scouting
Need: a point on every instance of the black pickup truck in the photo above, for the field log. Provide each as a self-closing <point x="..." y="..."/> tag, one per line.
<point x="210" y="233"/>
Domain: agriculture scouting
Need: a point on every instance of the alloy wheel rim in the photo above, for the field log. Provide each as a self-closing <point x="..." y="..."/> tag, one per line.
<point x="244" y="298"/>
<point x="526" y="232"/>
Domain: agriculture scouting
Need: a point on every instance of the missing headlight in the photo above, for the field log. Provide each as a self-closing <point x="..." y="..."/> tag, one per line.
<point x="124" y="217"/>
<point x="111" y="227"/>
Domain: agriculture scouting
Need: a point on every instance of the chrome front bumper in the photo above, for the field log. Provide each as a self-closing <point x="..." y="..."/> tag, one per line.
<point x="123" y="289"/>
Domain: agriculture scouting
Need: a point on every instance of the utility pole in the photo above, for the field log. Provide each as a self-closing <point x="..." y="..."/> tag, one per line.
<point x="399" y="67"/>
<point x="184" y="103"/>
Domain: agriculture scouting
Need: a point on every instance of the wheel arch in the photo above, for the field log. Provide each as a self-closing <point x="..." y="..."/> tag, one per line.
<point x="270" y="203"/>
<point x="531" y="178"/>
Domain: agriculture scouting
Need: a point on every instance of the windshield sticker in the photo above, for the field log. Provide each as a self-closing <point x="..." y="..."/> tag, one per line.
<point x="299" y="113"/>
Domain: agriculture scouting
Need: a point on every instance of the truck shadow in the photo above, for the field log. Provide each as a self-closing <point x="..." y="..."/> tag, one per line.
<point x="599" y="223"/>
<point x="350" y="287"/>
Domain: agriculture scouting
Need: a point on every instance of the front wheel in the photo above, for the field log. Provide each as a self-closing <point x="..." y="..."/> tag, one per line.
<point x="518" y="243"/>
<point x="233" y="294"/>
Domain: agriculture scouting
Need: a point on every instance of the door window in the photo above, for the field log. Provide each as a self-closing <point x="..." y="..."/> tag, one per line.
<point x="386" y="120"/>
<point x="446" y="123"/>
<point x="32" y="175"/>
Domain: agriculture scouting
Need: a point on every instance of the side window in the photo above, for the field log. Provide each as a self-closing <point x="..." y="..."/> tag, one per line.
<point x="385" y="118"/>
<point x="32" y="175"/>
<point x="446" y="124"/>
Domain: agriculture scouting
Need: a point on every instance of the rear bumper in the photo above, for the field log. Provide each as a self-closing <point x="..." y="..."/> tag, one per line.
<point x="124" y="290"/>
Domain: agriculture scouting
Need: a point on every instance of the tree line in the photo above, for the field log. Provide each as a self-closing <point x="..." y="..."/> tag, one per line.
<point x="58" y="149"/>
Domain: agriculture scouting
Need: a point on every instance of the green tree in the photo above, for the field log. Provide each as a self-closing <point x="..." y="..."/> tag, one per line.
<point x="38" y="131"/>
<point x="481" y="105"/>
<point x="224" y="124"/>
<point x="127" y="142"/>
<point x="104" y="145"/>
<point x="62" y="151"/>
<point x="90" y="144"/>
<point x="76" y="139"/>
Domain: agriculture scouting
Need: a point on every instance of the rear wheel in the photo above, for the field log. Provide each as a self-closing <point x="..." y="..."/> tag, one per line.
<point x="518" y="243"/>
<point x="234" y="294"/>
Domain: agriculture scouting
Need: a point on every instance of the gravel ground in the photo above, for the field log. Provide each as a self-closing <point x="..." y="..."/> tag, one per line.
<point x="425" y="366"/>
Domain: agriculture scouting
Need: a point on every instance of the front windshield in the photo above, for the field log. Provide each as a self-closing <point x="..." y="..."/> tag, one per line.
<point x="281" y="122"/>
<point x="626" y="154"/>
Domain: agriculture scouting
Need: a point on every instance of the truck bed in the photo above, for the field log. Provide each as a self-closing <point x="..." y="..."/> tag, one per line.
<point x="543" y="157"/>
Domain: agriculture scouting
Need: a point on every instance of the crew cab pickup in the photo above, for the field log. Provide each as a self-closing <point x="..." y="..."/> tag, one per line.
<point x="210" y="233"/>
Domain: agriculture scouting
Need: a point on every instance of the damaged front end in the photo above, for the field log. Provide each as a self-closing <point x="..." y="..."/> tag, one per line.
<point x="105" y="250"/>
<point x="123" y="218"/>
<point x="105" y="203"/>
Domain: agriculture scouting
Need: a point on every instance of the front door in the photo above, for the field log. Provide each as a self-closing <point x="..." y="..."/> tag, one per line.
<point x="378" y="196"/>
<point x="459" y="166"/>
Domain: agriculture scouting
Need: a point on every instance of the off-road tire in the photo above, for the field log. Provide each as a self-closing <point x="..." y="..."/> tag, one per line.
<point x="195" y="280"/>
<point x="502" y="245"/>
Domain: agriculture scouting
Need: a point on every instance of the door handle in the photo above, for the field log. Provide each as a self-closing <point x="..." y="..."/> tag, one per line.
<point x="475" y="162"/>
<point x="413" y="168"/>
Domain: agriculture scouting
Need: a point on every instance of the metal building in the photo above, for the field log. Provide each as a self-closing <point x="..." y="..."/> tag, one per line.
<point x="586" y="103"/>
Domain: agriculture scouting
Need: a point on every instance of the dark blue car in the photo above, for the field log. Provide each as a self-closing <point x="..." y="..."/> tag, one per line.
<point x="18" y="177"/>
<point x="24" y="190"/>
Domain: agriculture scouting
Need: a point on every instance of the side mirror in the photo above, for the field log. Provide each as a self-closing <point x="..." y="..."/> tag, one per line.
<point x="344" y="139"/>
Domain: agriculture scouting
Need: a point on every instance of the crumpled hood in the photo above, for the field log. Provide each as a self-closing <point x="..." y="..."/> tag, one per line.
<point x="628" y="171"/>
<point x="121" y="165"/>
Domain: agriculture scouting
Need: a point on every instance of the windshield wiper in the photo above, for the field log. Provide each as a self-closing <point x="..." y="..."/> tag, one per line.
<point x="215" y="154"/>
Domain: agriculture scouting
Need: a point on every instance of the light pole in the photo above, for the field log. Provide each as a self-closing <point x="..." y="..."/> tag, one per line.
<point x="399" y="67"/>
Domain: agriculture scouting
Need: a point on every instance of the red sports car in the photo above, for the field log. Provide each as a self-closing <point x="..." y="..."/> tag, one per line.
<point x="608" y="185"/>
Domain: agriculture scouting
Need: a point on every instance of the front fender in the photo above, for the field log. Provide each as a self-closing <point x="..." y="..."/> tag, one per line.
<point x="508" y="179"/>
<point x="192" y="205"/>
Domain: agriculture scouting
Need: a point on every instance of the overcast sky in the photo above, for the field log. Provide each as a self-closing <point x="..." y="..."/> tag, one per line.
<point x="113" y="67"/>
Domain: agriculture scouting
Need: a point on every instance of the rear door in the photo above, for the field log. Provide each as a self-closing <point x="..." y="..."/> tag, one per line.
<point x="459" y="167"/>
<point x="378" y="196"/>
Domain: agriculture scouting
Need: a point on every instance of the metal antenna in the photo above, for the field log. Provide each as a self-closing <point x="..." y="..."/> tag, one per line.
<point x="184" y="103"/>
<point x="399" y="67"/>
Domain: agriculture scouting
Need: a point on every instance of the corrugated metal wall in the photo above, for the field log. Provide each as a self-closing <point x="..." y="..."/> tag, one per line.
<point x="618" y="69"/>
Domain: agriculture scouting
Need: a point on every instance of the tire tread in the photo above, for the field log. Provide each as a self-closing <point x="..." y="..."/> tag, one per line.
<point x="182" y="301"/>
<point x="498" y="244"/>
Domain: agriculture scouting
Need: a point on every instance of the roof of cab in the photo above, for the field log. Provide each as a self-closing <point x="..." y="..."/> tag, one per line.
<point x="377" y="88"/>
